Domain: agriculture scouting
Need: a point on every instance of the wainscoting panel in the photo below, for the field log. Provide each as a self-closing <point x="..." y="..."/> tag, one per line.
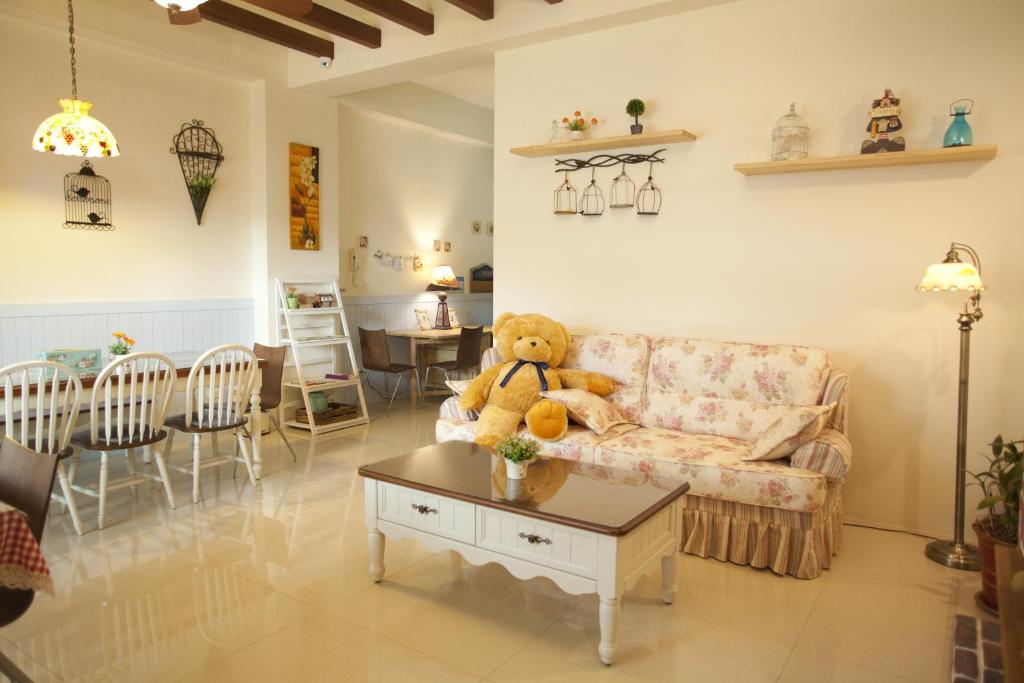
<point x="190" y="326"/>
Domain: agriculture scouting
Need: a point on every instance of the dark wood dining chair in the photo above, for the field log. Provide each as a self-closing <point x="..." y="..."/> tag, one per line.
<point x="377" y="356"/>
<point x="467" y="357"/>
<point x="270" y="390"/>
<point x="26" y="480"/>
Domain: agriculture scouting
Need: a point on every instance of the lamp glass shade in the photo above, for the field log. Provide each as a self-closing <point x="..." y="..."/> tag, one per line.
<point x="74" y="133"/>
<point x="180" y="5"/>
<point x="951" y="277"/>
<point x="442" y="278"/>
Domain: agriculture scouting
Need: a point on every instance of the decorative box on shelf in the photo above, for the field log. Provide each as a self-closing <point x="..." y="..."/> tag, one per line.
<point x="86" y="362"/>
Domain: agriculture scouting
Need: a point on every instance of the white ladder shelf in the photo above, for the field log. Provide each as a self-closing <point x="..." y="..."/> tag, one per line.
<point x="304" y="328"/>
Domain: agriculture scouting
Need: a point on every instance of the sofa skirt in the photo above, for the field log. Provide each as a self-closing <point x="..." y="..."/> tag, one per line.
<point x="800" y="544"/>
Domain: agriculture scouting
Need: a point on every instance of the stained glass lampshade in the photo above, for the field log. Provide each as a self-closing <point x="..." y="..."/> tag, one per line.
<point x="951" y="276"/>
<point x="73" y="132"/>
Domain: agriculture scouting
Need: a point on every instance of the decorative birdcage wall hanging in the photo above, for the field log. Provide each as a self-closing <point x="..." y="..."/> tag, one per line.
<point x="622" y="192"/>
<point x="565" y="197"/>
<point x="648" y="199"/>
<point x="592" y="199"/>
<point x="199" y="155"/>
<point x="87" y="200"/>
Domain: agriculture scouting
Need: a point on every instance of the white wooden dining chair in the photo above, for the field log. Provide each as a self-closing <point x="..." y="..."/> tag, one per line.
<point x="41" y="404"/>
<point x="216" y="395"/>
<point x="127" y="411"/>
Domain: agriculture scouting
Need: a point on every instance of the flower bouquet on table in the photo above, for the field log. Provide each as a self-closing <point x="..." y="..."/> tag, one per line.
<point x="121" y="346"/>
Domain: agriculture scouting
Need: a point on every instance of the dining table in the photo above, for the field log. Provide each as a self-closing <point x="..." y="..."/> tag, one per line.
<point x="22" y="565"/>
<point x="183" y="362"/>
<point x="433" y="337"/>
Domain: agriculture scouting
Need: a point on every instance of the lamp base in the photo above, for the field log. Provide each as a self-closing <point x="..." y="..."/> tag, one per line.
<point x="441" y="320"/>
<point x="955" y="555"/>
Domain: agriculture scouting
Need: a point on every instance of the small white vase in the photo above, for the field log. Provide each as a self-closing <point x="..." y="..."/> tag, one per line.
<point x="575" y="134"/>
<point x="516" y="470"/>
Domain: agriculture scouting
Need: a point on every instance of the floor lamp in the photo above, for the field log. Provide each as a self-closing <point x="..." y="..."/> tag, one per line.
<point x="953" y="275"/>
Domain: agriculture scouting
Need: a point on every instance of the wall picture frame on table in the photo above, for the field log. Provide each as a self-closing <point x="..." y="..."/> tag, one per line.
<point x="453" y="318"/>
<point x="423" y="320"/>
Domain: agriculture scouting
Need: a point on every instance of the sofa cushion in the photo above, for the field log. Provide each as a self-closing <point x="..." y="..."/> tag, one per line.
<point x="684" y="370"/>
<point x="623" y="357"/>
<point x="714" y="467"/>
<point x="578" y="443"/>
<point x="587" y="409"/>
<point x="794" y="428"/>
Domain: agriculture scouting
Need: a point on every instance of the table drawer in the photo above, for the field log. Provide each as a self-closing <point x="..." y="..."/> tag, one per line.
<point x="428" y="512"/>
<point x="552" y="545"/>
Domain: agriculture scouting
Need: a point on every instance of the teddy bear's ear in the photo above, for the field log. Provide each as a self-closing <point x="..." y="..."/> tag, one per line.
<point x="565" y="332"/>
<point x="501" y="320"/>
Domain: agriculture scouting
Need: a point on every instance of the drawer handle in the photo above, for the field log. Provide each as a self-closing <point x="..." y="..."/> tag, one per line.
<point x="424" y="509"/>
<point x="534" y="538"/>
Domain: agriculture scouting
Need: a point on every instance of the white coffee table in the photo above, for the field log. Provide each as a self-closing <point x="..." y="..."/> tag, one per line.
<point x="588" y="528"/>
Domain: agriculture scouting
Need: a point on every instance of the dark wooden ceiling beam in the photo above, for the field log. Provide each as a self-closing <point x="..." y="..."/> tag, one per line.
<point x="553" y="2"/>
<point x="259" y="26"/>
<point x="481" y="9"/>
<point x="324" y="19"/>
<point x="401" y="13"/>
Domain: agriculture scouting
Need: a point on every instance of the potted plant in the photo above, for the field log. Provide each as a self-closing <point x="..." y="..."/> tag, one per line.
<point x="577" y="125"/>
<point x="518" y="453"/>
<point x="292" y="298"/>
<point x="1001" y="484"/>
<point x="121" y="347"/>
<point x="636" y="108"/>
<point x="201" y="182"/>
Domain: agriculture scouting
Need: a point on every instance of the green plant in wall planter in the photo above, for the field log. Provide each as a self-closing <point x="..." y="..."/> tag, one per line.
<point x="1001" y="486"/>
<point x="636" y="108"/>
<point x="199" y="187"/>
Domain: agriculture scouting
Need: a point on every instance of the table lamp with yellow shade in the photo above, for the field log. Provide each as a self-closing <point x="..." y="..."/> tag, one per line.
<point x="954" y="275"/>
<point x="442" y="280"/>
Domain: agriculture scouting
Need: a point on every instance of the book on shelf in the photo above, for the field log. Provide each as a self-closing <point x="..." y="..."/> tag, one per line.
<point x="336" y="376"/>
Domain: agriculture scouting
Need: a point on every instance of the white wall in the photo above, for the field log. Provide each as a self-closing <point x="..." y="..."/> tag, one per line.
<point x="827" y="259"/>
<point x="404" y="187"/>
<point x="156" y="251"/>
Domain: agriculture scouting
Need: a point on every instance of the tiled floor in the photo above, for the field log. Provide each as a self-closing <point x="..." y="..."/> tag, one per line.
<point x="271" y="584"/>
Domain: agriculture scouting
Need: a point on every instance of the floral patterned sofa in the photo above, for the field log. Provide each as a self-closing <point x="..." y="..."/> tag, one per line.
<point x="782" y="514"/>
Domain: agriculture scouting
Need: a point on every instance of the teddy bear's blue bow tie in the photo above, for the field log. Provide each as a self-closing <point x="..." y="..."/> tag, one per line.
<point x="541" y="367"/>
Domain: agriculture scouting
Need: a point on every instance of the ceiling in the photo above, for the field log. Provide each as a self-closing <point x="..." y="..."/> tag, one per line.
<point x="474" y="84"/>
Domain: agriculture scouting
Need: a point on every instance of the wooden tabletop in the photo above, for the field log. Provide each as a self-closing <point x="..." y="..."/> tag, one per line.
<point x="434" y="334"/>
<point x="591" y="497"/>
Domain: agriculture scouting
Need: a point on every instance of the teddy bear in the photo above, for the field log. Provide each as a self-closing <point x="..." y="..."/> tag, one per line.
<point x="532" y="347"/>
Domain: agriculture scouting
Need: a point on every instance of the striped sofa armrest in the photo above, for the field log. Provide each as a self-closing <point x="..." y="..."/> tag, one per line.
<point x="830" y="453"/>
<point x="837" y="391"/>
<point x="450" y="408"/>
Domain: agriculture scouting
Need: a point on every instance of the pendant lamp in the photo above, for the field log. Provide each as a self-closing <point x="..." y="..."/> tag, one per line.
<point x="72" y="132"/>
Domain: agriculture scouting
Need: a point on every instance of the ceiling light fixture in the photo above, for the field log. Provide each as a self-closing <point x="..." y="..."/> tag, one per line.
<point x="181" y="5"/>
<point x="72" y="132"/>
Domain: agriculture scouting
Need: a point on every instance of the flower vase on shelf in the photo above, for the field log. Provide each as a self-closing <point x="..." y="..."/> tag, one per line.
<point x="575" y="135"/>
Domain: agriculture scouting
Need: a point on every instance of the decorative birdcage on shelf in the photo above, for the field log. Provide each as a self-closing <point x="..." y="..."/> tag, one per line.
<point x="622" y="193"/>
<point x="790" y="136"/>
<point x="592" y="199"/>
<point x="648" y="199"/>
<point x="565" y="197"/>
<point x="199" y="155"/>
<point x="87" y="200"/>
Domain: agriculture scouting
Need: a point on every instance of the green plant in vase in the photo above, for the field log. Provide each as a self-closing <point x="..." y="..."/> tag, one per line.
<point x="636" y="108"/>
<point x="518" y="453"/>
<point x="201" y="182"/>
<point x="1001" y="486"/>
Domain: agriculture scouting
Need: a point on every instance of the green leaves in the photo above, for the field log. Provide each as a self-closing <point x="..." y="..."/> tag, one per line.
<point x="517" y="448"/>
<point x="1001" y="484"/>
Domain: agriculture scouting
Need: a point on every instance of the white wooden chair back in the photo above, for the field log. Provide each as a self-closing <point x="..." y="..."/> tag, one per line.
<point x="53" y="408"/>
<point x="219" y="386"/>
<point x="130" y="398"/>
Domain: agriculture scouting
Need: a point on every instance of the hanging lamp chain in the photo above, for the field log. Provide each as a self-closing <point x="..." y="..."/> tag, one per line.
<point x="71" y="49"/>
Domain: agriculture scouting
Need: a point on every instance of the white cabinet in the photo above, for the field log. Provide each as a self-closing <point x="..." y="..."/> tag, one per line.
<point x="552" y="545"/>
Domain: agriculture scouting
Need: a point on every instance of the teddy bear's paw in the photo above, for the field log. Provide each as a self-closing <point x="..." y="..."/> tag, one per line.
<point x="487" y="440"/>
<point x="547" y="420"/>
<point x="599" y="384"/>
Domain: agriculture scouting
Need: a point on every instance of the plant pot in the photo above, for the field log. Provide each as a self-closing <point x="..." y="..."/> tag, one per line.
<point x="988" y="597"/>
<point x="293" y="302"/>
<point x="576" y="135"/>
<point x="636" y="128"/>
<point x="515" y="470"/>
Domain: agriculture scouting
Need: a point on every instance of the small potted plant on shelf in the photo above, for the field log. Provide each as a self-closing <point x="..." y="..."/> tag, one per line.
<point x="636" y="108"/>
<point x="1001" y="485"/>
<point x="518" y="453"/>
<point x="121" y="347"/>
<point x="577" y="125"/>
<point x="292" y="298"/>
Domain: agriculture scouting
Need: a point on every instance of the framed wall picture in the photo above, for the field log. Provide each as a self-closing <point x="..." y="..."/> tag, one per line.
<point x="453" y="318"/>
<point x="304" y="197"/>
<point x="423" y="319"/>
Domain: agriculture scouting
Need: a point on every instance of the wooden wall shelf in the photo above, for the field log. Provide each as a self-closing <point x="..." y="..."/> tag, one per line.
<point x="596" y="144"/>
<point x="908" y="158"/>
